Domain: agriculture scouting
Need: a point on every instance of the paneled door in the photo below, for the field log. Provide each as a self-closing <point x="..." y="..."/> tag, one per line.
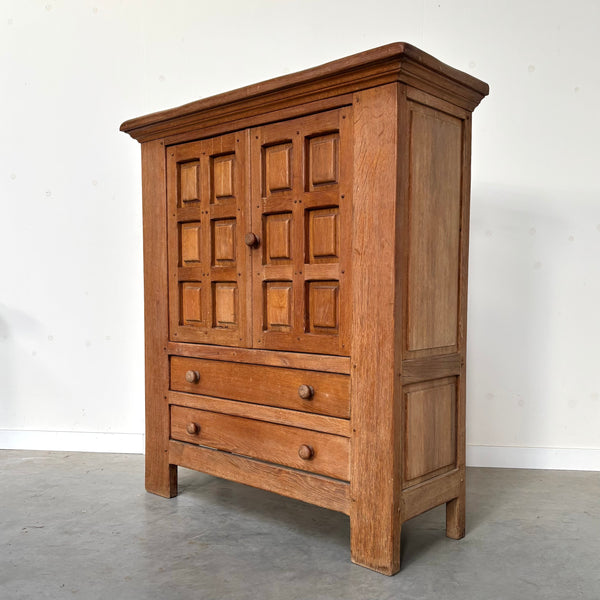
<point x="208" y="259"/>
<point x="301" y="186"/>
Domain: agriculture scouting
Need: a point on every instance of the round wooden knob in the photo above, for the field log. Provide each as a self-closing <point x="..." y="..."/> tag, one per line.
<point x="306" y="392"/>
<point x="192" y="376"/>
<point x="192" y="428"/>
<point x="305" y="452"/>
<point x="251" y="240"/>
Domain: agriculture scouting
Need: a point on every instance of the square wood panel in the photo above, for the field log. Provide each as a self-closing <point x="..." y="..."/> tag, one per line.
<point x="323" y="160"/>
<point x="277" y="236"/>
<point x="222" y="177"/>
<point x="323" y="235"/>
<point x="190" y="244"/>
<point x="323" y="307"/>
<point x="191" y="303"/>
<point x="277" y="168"/>
<point x="189" y="182"/>
<point x="223" y="242"/>
<point x="278" y="305"/>
<point x="225" y="304"/>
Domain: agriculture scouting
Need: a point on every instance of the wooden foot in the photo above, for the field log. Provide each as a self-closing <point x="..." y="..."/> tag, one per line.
<point x="455" y="518"/>
<point x="161" y="481"/>
<point x="375" y="549"/>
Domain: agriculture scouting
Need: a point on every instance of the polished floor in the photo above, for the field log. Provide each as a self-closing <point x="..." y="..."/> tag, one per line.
<point x="75" y="525"/>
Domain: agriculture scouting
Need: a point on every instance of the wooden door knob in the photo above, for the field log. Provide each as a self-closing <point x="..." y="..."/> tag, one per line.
<point x="251" y="240"/>
<point x="193" y="428"/>
<point x="305" y="452"/>
<point x="192" y="376"/>
<point x="306" y="392"/>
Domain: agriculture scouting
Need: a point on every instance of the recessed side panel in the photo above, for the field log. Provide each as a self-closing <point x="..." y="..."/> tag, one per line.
<point x="429" y="429"/>
<point x="434" y="223"/>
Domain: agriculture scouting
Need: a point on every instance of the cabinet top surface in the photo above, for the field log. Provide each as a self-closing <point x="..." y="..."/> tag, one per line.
<point x="394" y="62"/>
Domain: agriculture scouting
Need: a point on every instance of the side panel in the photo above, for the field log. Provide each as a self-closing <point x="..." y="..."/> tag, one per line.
<point x="161" y="477"/>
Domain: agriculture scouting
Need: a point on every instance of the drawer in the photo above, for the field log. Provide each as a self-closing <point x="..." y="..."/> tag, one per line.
<point x="309" y="391"/>
<point x="303" y="449"/>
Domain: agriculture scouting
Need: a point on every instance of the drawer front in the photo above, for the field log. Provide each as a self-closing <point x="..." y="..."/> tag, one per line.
<point x="309" y="391"/>
<point x="290" y="446"/>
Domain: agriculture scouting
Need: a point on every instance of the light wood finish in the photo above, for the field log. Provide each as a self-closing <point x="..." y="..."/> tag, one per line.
<point x="376" y="425"/>
<point x="306" y="248"/>
<point x="329" y="454"/>
<point x="161" y="476"/>
<point x="283" y="416"/>
<point x="264" y="385"/>
<point x="293" y="360"/>
<point x="301" y="209"/>
<point x="315" y="489"/>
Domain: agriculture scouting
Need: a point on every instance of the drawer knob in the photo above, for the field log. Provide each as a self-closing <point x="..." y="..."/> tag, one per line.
<point x="192" y="428"/>
<point x="306" y="392"/>
<point x="192" y="376"/>
<point x="251" y="239"/>
<point x="305" y="452"/>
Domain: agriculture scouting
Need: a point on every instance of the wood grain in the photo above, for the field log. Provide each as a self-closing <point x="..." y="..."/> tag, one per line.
<point x="294" y="360"/>
<point x="263" y="413"/>
<point x="315" y="489"/>
<point x="270" y="442"/>
<point x="161" y="477"/>
<point x="432" y="493"/>
<point x="435" y="367"/>
<point x="376" y="423"/>
<point x="264" y="385"/>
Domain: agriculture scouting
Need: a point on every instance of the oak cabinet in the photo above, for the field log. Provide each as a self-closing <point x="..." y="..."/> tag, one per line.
<point x="305" y="262"/>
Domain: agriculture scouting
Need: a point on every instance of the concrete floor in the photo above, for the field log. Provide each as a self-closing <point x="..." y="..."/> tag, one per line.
<point x="77" y="525"/>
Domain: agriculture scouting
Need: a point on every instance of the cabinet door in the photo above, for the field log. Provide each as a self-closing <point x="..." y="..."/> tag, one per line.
<point x="208" y="260"/>
<point x="301" y="211"/>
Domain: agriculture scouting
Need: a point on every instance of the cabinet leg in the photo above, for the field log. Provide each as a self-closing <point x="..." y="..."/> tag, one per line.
<point x="375" y="546"/>
<point x="161" y="477"/>
<point x="455" y="517"/>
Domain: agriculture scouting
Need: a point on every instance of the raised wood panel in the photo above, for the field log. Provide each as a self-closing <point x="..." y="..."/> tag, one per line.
<point x="323" y="312"/>
<point x="278" y="303"/>
<point x="270" y="442"/>
<point x="191" y="304"/>
<point x="224" y="242"/>
<point x="191" y="243"/>
<point x="429" y="429"/>
<point x="434" y="227"/>
<point x="277" y="165"/>
<point x="189" y="188"/>
<point x="223" y="179"/>
<point x="323" y="236"/>
<point x="277" y="238"/>
<point x="226" y="304"/>
<point x="258" y="384"/>
<point x="300" y="275"/>
<point x="323" y="160"/>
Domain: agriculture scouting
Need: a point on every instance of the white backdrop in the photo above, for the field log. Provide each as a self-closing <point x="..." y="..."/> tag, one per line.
<point x="71" y="324"/>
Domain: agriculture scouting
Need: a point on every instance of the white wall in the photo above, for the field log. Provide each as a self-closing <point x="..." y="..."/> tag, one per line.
<point x="71" y="327"/>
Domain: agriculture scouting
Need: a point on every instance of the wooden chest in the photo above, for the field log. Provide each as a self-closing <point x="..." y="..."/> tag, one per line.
<point x="305" y="264"/>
